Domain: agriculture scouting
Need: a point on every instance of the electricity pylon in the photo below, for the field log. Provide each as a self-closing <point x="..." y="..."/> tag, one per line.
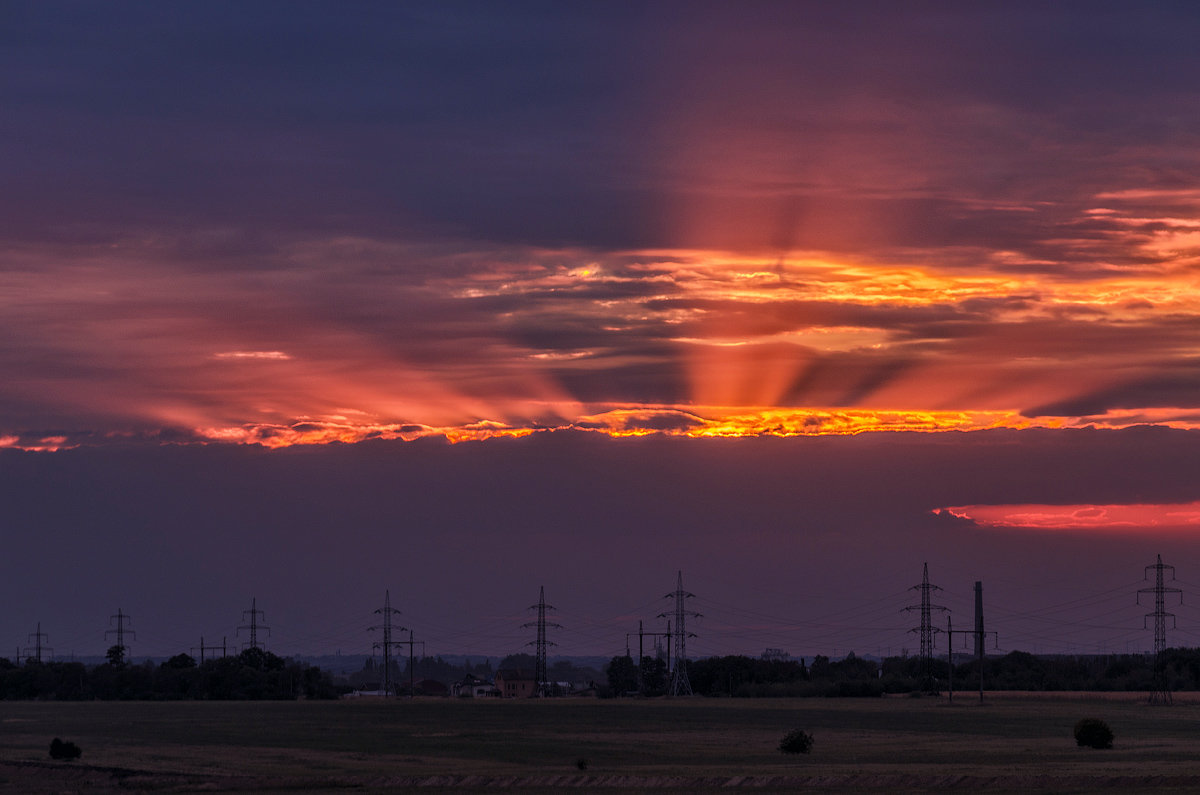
<point x="387" y="643"/>
<point x="253" y="626"/>
<point x="680" y="685"/>
<point x="927" y="629"/>
<point x="38" y="648"/>
<point x="540" y="673"/>
<point x="1162" y="690"/>
<point x="120" y="631"/>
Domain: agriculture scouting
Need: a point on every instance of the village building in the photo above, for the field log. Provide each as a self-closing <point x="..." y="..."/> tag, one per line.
<point x="514" y="683"/>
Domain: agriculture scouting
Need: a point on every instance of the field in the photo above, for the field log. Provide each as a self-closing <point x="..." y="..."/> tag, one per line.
<point x="1009" y="744"/>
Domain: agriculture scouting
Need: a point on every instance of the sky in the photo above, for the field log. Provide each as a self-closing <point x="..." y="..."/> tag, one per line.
<point x="303" y="302"/>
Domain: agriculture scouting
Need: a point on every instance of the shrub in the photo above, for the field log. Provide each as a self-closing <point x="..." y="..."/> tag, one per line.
<point x="796" y="742"/>
<point x="1093" y="733"/>
<point x="64" y="750"/>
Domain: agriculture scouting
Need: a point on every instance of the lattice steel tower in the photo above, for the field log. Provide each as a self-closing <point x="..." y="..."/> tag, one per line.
<point x="1162" y="692"/>
<point x="540" y="673"/>
<point x="121" y="618"/>
<point x="253" y="626"/>
<point x="927" y="629"/>
<point x="680" y="685"/>
<point x="37" y="648"/>
<point x="387" y="611"/>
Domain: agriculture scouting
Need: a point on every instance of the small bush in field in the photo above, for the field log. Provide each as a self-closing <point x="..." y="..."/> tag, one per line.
<point x="64" y="750"/>
<point x="796" y="742"/>
<point x="1093" y="733"/>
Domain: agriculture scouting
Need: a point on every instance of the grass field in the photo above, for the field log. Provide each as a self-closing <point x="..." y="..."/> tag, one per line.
<point x="1010" y="744"/>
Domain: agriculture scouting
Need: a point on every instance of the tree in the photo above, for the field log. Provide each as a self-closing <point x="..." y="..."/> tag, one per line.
<point x="622" y="675"/>
<point x="180" y="661"/>
<point x="1093" y="733"/>
<point x="796" y="742"/>
<point x="64" y="749"/>
<point x="116" y="656"/>
<point x="526" y="662"/>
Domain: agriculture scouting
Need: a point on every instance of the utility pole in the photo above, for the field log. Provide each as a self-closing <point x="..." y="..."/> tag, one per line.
<point x="253" y="626"/>
<point x="680" y="686"/>
<point x="1162" y="690"/>
<point x="540" y="673"/>
<point x="979" y="636"/>
<point x="927" y="629"/>
<point x="204" y="648"/>
<point x="412" y="689"/>
<point x="387" y="611"/>
<point x="37" y="648"/>
<point x="120" y="631"/>
<point x="642" y="634"/>
<point x="979" y="620"/>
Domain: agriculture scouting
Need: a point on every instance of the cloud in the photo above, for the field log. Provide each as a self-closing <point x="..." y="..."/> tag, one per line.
<point x="474" y="216"/>
<point x="1132" y="518"/>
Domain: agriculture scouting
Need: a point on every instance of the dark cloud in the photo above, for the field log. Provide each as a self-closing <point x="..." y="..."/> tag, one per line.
<point x="1178" y="386"/>
<point x="553" y="124"/>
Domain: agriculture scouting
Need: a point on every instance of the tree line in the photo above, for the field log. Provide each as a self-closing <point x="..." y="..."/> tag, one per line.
<point x="748" y="677"/>
<point x="259" y="674"/>
<point x="253" y="674"/>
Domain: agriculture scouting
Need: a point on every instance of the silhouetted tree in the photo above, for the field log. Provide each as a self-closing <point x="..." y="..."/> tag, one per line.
<point x="115" y="656"/>
<point x="622" y="675"/>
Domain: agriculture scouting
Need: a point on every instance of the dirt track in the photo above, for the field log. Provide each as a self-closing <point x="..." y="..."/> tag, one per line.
<point x="37" y="778"/>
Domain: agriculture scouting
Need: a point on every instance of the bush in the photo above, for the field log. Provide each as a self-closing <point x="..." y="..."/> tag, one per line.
<point x="64" y="750"/>
<point x="796" y="742"/>
<point x="1093" y="733"/>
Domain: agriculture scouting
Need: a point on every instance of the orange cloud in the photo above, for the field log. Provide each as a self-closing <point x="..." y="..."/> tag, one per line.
<point x="1118" y="518"/>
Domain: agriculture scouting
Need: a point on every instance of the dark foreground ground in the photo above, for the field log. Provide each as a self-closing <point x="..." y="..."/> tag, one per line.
<point x="1008" y="744"/>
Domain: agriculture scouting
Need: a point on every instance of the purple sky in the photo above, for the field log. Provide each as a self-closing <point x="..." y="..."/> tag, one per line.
<point x="303" y="301"/>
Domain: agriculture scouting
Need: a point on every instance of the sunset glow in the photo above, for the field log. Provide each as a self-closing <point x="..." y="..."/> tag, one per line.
<point x="742" y="344"/>
<point x="1115" y="518"/>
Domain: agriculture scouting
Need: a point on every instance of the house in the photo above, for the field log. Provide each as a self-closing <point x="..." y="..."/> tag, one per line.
<point x="472" y="686"/>
<point x="514" y="683"/>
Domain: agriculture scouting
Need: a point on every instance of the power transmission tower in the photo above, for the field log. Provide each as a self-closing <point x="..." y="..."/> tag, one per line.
<point x="253" y="626"/>
<point x="1162" y="690"/>
<point x="387" y="643"/>
<point x="927" y="629"/>
<point x="120" y="631"/>
<point x="37" y="648"/>
<point x="680" y="685"/>
<point x="540" y="674"/>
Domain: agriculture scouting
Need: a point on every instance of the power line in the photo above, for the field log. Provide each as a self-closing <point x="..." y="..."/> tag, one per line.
<point x="204" y="648"/>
